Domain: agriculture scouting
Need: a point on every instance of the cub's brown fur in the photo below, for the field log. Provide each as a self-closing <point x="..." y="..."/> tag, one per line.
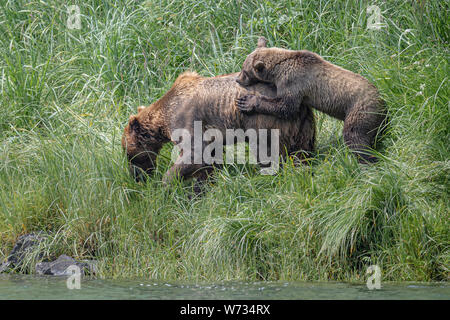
<point x="212" y="101"/>
<point x="303" y="78"/>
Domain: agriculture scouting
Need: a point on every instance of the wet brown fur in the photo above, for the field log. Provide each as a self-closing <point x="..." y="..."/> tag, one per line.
<point x="303" y="78"/>
<point x="212" y="101"/>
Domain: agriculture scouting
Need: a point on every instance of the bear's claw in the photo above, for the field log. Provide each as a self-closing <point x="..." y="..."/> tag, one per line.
<point x="244" y="103"/>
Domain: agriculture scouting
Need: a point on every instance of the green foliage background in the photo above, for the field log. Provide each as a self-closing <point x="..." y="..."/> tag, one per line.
<point x="66" y="96"/>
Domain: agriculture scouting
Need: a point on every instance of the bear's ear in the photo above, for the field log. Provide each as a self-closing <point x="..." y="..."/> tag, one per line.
<point x="140" y="108"/>
<point x="262" y="42"/>
<point x="259" y="65"/>
<point x="134" y="123"/>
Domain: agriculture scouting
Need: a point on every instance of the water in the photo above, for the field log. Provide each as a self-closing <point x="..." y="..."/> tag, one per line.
<point x="32" y="287"/>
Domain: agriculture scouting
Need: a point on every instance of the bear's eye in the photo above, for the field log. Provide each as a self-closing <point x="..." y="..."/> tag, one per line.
<point x="147" y="135"/>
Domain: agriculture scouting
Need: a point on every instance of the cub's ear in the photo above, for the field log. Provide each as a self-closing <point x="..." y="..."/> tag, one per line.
<point x="140" y="108"/>
<point x="262" y="42"/>
<point x="134" y="123"/>
<point x="259" y="65"/>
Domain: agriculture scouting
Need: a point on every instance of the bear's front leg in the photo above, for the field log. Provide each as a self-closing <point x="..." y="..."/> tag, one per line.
<point x="179" y="170"/>
<point x="282" y="107"/>
<point x="199" y="171"/>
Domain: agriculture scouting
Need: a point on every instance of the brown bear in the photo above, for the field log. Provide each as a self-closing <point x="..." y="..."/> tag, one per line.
<point x="304" y="79"/>
<point x="194" y="98"/>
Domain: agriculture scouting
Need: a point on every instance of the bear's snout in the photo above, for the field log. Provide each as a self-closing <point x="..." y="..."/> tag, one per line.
<point x="141" y="165"/>
<point x="243" y="79"/>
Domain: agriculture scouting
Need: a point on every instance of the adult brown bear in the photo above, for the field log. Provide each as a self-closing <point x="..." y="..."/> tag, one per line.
<point x="211" y="101"/>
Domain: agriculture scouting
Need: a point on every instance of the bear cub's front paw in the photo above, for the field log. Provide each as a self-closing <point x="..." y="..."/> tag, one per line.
<point x="247" y="103"/>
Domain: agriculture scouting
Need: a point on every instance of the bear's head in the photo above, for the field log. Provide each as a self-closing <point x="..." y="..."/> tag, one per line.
<point x="257" y="66"/>
<point x="142" y="140"/>
<point x="274" y="65"/>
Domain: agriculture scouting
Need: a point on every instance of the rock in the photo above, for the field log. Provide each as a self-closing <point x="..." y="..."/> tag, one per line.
<point x="28" y="243"/>
<point x="24" y="246"/>
<point x="4" y="266"/>
<point x="60" y="266"/>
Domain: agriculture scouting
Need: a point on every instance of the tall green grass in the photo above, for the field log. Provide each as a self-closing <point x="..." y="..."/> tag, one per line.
<point x="66" y="96"/>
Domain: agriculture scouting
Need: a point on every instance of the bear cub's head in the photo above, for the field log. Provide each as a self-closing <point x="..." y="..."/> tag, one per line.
<point x="256" y="67"/>
<point x="275" y="65"/>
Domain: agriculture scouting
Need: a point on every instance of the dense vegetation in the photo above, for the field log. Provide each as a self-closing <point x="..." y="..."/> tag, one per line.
<point x="66" y="95"/>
